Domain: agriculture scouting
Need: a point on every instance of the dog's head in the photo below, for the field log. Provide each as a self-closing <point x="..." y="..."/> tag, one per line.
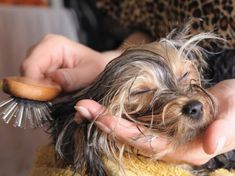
<point x="156" y="85"/>
<point x="159" y="86"/>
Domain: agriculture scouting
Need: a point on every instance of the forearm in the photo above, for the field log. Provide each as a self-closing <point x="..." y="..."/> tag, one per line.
<point x="136" y="38"/>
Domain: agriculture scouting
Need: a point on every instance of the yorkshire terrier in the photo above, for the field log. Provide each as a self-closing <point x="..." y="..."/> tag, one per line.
<point x="159" y="86"/>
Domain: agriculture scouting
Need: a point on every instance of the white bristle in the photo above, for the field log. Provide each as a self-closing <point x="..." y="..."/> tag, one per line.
<point x="25" y="113"/>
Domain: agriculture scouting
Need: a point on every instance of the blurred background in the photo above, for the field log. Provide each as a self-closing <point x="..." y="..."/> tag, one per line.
<point x="23" y="23"/>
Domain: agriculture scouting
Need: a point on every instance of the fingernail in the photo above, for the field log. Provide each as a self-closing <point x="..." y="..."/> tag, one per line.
<point x="83" y="112"/>
<point x="220" y="145"/>
<point x="103" y="127"/>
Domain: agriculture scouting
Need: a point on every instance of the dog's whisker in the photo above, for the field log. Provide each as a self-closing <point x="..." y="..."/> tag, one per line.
<point x="152" y="120"/>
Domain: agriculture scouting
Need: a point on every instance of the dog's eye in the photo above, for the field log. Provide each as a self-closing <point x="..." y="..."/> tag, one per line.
<point x="184" y="76"/>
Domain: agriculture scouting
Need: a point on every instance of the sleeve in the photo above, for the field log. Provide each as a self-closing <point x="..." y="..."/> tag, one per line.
<point x="130" y="13"/>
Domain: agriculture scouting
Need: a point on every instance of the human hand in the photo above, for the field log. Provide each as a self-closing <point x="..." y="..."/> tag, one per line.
<point x="220" y="136"/>
<point x="70" y="64"/>
<point x="217" y="139"/>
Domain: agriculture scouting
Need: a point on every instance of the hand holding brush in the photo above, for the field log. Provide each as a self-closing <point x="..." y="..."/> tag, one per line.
<point x="54" y="58"/>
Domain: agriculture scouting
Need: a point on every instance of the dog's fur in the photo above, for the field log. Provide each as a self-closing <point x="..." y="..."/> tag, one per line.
<point x="151" y="85"/>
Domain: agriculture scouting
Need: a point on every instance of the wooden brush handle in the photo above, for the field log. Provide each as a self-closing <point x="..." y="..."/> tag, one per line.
<point x="22" y="87"/>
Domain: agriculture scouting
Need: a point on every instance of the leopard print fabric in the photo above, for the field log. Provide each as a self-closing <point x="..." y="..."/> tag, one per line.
<point x="222" y="66"/>
<point x="159" y="17"/>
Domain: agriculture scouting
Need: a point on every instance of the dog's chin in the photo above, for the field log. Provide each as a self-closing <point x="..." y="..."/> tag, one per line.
<point x="197" y="114"/>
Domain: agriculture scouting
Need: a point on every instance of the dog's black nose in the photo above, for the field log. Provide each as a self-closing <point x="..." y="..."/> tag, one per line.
<point x="193" y="109"/>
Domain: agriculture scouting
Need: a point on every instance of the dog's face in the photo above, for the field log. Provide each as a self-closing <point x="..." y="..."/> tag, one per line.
<point x="156" y="87"/>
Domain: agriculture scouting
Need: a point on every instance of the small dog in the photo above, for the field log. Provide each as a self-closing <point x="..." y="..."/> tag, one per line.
<point x="158" y="85"/>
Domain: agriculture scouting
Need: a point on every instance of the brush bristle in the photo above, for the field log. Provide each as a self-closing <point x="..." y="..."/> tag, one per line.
<point x="25" y="113"/>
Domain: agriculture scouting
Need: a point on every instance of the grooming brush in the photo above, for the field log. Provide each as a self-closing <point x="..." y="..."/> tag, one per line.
<point x="29" y="104"/>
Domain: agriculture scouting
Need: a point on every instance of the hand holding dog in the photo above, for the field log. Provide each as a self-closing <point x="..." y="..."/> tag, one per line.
<point x="218" y="138"/>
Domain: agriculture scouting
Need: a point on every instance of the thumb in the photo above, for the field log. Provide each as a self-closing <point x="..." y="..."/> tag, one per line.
<point x="218" y="138"/>
<point x="73" y="78"/>
<point x="80" y="76"/>
<point x="67" y="78"/>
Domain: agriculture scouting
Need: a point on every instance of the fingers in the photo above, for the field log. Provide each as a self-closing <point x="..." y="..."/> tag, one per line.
<point x="127" y="132"/>
<point x="217" y="139"/>
<point x="141" y="138"/>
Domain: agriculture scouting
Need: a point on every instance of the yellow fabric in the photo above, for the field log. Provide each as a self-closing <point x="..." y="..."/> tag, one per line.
<point x="223" y="172"/>
<point x="45" y="164"/>
<point x="134" y="166"/>
<point x="145" y="167"/>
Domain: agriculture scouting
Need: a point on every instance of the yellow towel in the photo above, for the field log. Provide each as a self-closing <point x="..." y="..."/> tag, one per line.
<point x="134" y="166"/>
